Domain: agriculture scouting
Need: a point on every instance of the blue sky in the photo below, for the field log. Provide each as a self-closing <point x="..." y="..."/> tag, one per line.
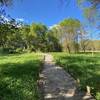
<point x="49" y="12"/>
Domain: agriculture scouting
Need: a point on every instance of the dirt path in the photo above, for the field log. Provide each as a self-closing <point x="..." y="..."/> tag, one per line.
<point x="56" y="84"/>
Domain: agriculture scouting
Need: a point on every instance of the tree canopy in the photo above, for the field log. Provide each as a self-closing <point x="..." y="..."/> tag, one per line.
<point x="71" y="33"/>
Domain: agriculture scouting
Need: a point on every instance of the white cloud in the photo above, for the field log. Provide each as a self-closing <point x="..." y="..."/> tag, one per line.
<point x="20" y="19"/>
<point x="54" y="26"/>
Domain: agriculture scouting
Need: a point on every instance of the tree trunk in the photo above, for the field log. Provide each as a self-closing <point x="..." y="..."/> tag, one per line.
<point x="68" y="48"/>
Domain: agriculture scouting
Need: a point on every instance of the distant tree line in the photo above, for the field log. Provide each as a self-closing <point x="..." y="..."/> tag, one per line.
<point x="74" y="37"/>
<point x="16" y="37"/>
<point x="68" y="35"/>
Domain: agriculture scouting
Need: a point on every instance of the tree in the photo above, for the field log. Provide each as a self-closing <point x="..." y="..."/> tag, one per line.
<point x="53" y="42"/>
<point x="25" y="30"/>
<point x="91" y="10"/>
<point x="9" y="34"/>
<point x="84" y="44"/>
<point x="71" y="33"/>
<point x="38" y="35"/>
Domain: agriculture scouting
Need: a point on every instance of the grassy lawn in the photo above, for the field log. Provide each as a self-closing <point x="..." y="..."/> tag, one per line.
<point x="18" y="76"/>
<point x="84" y="67"/>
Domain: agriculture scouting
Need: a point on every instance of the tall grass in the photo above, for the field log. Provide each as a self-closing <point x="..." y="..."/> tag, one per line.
<point x="18" y="76"/>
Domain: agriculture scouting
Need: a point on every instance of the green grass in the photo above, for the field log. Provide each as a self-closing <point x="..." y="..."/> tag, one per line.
<point x="19" y="75"/>
<point x="84" y="67"/>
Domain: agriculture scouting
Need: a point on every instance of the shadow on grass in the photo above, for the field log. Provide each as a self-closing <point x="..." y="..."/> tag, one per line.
<point x="7" y="56"/>
<point x="85" y="68"/>
<point x="18" y="81"/>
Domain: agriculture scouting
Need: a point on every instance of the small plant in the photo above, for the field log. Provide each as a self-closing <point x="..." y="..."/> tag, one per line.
<point x="98" y="96"/>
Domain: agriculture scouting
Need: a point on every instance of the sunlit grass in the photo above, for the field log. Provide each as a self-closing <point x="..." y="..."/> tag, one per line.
<point x="19" y="75"/>
<point x="84" y="67"/>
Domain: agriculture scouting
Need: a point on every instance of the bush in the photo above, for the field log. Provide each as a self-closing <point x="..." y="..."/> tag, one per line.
<point x="19" y="50"/>
<point x="1" y="50"/>
<point x="98" y="96"/>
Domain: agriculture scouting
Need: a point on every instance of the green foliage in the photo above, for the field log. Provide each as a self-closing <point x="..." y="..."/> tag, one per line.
<point x="9" y="34"/>
<point x="18" y="76"/>
<point x="98" y="96"/>
<point x="16" y="37"/>
<point x="84" y="67"/>
<point x="71" y="23"/>
<point x="71" y="31"/>
<point x="53" y="42"/>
